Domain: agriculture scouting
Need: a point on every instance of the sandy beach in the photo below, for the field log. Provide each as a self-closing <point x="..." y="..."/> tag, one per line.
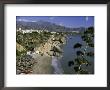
<point x="43" y="65"/>
<point x="44" y="61"/>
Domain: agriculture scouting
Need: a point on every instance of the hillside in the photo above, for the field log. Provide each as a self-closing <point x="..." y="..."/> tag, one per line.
<point x="44" y="25"/>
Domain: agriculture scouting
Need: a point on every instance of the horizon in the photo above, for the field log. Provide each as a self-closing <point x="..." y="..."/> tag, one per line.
<point x="68" y="21"/>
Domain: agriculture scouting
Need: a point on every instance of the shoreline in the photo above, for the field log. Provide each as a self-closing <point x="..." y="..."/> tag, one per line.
<point x="46" y="49"/>
<point x="44" y="58"/>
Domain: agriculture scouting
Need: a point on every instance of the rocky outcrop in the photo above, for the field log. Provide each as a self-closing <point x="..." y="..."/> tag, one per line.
<point x="51" y="47"/>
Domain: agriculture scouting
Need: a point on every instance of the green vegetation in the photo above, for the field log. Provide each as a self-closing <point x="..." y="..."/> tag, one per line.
<point x="18" y="53"/>
<point x="24" y="43"/>
<point x="31" y="40"/>
<point x="28" y="42"/>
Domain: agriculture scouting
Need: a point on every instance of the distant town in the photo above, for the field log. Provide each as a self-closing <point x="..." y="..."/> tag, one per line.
<point x="45" y="47"/>
<point x="39" y="31"/>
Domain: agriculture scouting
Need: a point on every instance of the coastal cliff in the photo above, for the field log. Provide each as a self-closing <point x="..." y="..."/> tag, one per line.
<point x="44" y="58"/>
<point x="47" y="48"/>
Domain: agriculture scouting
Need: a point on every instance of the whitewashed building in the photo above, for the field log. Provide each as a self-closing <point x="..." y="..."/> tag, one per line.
<point x="30" y="31"/>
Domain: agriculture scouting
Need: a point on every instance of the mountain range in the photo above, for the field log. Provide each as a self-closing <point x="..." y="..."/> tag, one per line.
<point x="44" y="25"/>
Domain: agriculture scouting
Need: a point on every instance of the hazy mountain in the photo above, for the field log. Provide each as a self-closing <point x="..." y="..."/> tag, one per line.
<point x="44" y="25"/>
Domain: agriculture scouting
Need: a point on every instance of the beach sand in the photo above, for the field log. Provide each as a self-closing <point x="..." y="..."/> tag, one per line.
<point x="44" y="61"/>
<point x="43" y="65"/>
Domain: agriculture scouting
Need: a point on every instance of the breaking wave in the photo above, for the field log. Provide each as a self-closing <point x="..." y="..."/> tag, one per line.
<point x="57" y="69"/>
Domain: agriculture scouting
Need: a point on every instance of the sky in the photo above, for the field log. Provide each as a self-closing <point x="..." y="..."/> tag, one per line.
<point x="68" y="21"/>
